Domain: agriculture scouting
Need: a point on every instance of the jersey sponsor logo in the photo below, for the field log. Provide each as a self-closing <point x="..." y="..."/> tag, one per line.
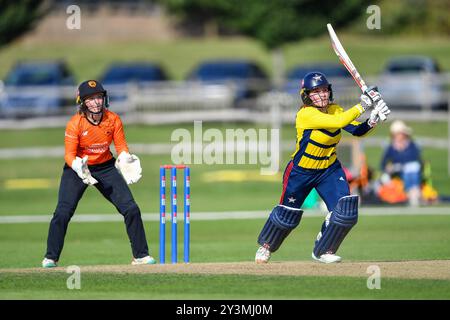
<point x="84" y="133"/>
<point x="342" y="179"/>
<point x="98" y="148"/>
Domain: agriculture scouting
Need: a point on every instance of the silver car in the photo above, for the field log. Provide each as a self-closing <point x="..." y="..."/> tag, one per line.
<point x="413" y="83"/>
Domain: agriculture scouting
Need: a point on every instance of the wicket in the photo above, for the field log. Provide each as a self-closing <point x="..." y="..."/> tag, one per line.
<point x="162" y="212"/>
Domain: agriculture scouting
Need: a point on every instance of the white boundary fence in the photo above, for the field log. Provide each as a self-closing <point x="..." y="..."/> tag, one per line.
<point x="186" y="102"/>
<point x="227" y="215"/>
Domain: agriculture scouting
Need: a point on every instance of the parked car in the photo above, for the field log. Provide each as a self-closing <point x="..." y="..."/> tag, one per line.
<point x="413" y="82"/>
<point x="34" y="88"/>
<point x="246" y="77"/>
<point x="337" y="75"/>
<point x="123" y="73"/>
<point x="119" y="75"/>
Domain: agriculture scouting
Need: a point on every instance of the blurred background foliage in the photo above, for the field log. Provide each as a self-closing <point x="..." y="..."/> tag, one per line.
<point x="18" y="17"/>
<point x="273" y="22"/>
<point x="276" y="21"/>
<point x="410" y="17"/>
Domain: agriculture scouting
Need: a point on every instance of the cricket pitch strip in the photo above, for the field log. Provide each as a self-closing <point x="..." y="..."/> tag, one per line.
<point x="422" y="269"/>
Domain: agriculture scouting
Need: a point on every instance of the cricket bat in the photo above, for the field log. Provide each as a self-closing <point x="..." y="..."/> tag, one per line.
<point x="348" y="64"/>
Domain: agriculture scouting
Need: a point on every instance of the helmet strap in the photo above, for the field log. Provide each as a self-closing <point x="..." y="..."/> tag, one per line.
<point x="90" y="115"/>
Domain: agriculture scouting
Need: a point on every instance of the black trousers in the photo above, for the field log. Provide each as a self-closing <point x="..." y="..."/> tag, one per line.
<point x="114" y="188"/>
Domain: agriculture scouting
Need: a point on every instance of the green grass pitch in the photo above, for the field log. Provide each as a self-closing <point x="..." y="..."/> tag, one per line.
<point x="375" y="238"/>
<point x="392" y="238"/>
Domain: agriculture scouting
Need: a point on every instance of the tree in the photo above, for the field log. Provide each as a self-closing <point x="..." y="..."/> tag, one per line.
<point x="276" y="22"/>
<point x="272" y="22"/>
<point x="18" y="17"/>
<point x="203" y="13"/>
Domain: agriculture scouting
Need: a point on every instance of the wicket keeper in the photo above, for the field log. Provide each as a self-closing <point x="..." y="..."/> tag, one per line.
<point x="314" y="164"/>
<point x="89" y="162"/>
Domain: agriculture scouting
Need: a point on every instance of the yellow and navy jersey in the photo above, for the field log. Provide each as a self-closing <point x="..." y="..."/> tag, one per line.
<point x="318" y="134"/>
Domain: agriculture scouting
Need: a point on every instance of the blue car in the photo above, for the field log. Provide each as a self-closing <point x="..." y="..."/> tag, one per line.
<point x="119" y="75"/>
<point x="123" y="73"/>
<point x="36" y="88"/>
<point x="246" y="77"/>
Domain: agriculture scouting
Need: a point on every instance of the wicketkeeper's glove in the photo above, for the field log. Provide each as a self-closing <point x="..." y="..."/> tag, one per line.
<point x="80" y="167"/>
<point x="129" y="167"/>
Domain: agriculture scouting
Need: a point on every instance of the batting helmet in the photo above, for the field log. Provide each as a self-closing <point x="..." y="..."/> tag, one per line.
<point x="88" y="88"/>
<point x="311" y="81"/>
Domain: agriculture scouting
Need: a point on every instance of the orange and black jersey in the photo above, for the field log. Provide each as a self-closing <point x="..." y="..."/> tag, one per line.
<point x="83" y="138"/>
<point x="318" y="134"/>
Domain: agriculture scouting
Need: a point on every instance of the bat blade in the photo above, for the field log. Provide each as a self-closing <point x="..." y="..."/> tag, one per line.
<point x="345" y="60"/>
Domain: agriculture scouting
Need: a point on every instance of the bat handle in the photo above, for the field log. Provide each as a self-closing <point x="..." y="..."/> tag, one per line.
<point x="372" y="93"/>
<point x="368" y="90"/>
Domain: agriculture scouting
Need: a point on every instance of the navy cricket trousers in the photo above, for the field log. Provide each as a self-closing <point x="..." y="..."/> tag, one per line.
<point x="114" y="188"/>
<point x="330" y="184"/>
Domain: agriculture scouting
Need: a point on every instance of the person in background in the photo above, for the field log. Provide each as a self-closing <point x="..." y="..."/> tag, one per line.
<point x="402" y="158"/>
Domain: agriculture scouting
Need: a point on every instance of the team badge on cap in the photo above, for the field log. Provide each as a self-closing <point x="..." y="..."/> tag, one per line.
<point x="92" y="84"/>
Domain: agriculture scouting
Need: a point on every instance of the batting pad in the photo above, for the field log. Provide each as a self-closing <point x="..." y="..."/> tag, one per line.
<point x="342" y="219"/>
<point x="281" y="222"/>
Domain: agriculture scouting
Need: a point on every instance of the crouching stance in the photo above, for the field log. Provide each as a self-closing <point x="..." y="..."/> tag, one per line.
<point x="89" y="161"/>
<point x="314" y="164"/>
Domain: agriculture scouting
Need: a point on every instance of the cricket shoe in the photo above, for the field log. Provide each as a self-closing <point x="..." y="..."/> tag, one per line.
<point x="48" y="263"/>
<point x="262" y="255"/>
<point x="144" y="260"/>
<point x="327" y="258"/>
